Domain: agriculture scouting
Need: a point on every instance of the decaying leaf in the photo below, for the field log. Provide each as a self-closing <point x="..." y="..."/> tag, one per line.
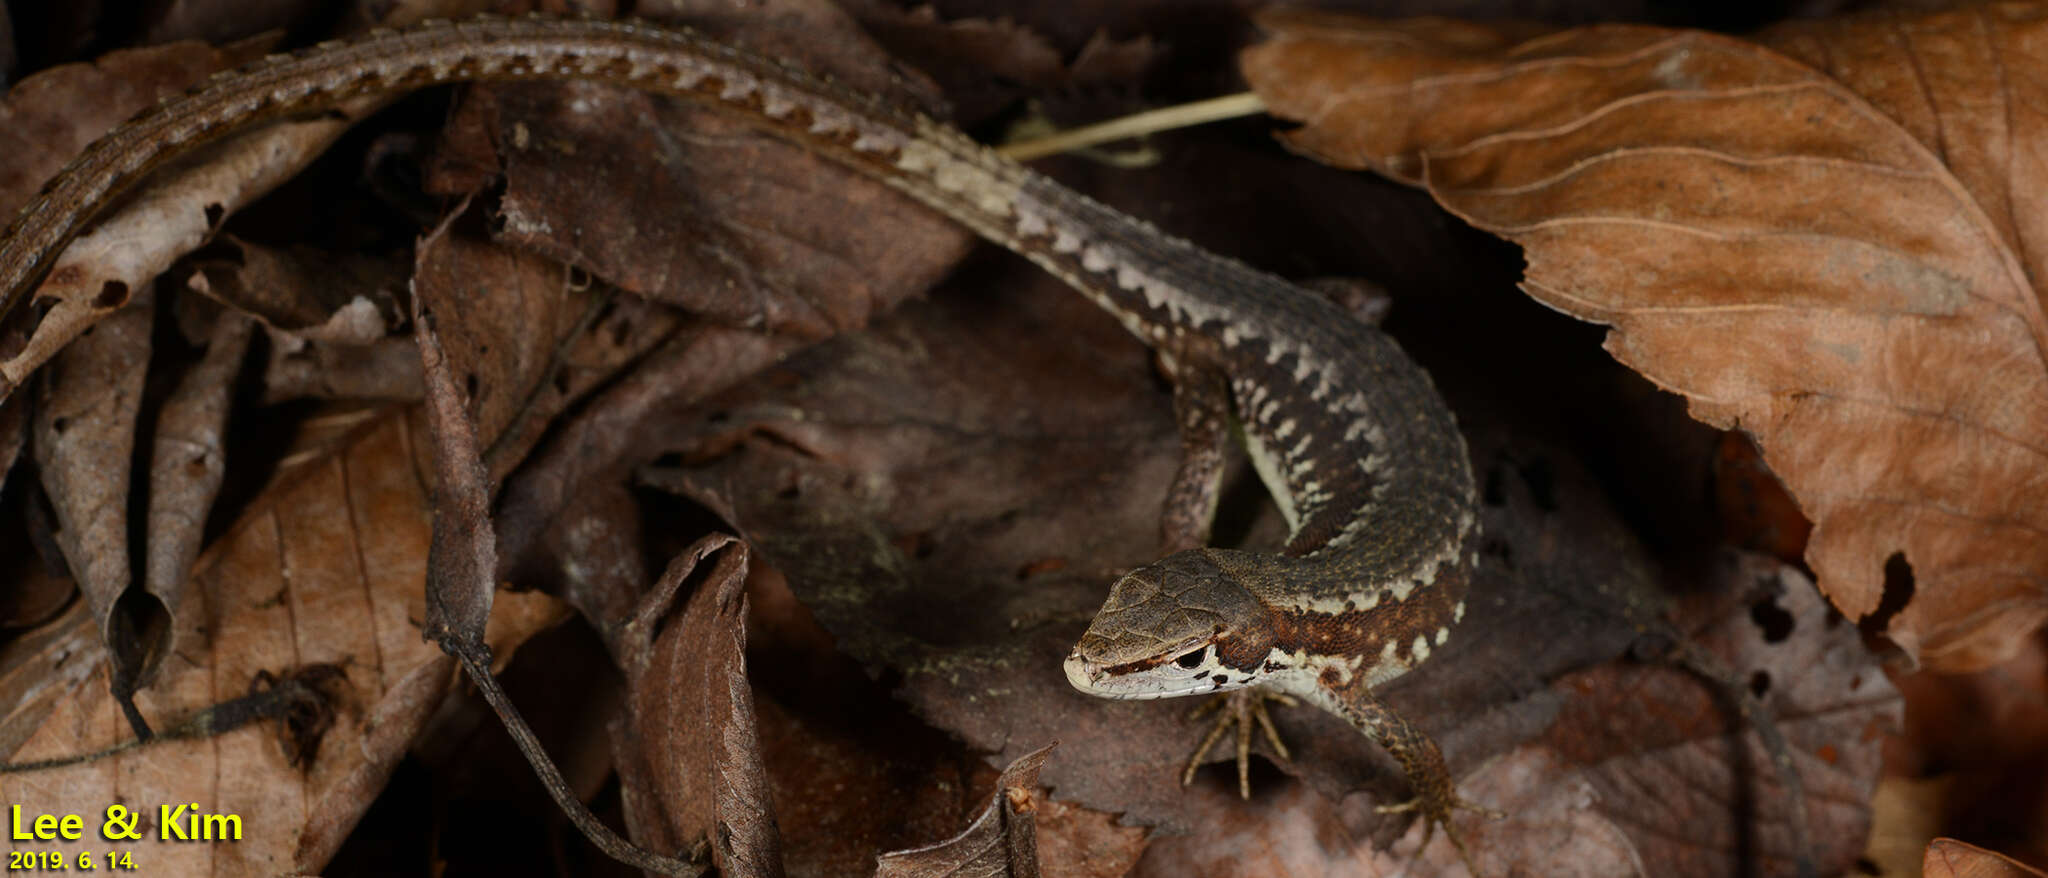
<point x="1948" y="858"/>
<point x="325" y="568"/>
<point x="1001" y="843"/>
<point x="1665" y="768"/>
<point x="188" y="460"/>
<point x="85" y="428"/>
<point x="305" y="294"/>
<point x="124" y="252"/>
<point x="717" y="218"/>
<point x="1838" y="261"/>
<point x="526" y="336"/>
<point x="689" y="753"/>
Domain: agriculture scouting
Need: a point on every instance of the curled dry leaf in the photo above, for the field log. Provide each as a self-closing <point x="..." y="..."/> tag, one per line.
<point x="1001" y="843"/>
<point x="302" y="293"/>
<point x="84" y="441"/>
<point x="178" y="211"/>
<point x="188" y="460"/>
<point x="690" y="755"/>
<point x="463" y="560"/>
<point x="1836" y="260"/>
<point x="1949" y="858"/>
<point x="325" y="568"/>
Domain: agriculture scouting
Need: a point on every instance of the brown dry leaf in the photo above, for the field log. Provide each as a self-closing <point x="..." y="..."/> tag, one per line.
<point x="694" y="208"/>
<point x="828" y="727"/>
<point x="331" y="320"/>
<point x="1001" y="843"/>
<point x="689" y="754"/>
<point x="52" y="115"/>
<point x="1653" y="745"/>
<point x="85" y="424"/>
<point x="187" y="461"/>
<point x="325" y="568"/>
<point x="309" y="294"/>
<point x="606" y="439"/>
<point x="526" y="336"/>
<point x="984" y="65"/>
<point x="1948" y="858"/>
<point x="1839" y="266"/>
<point x="1755" y="512"/>
<point x="173" y="214"/>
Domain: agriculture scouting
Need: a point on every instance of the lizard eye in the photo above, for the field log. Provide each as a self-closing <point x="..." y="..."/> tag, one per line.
<point x="1192" y="660"/>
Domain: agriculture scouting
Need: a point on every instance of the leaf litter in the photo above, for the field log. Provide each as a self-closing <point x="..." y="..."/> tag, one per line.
<point x="978" y="492"/>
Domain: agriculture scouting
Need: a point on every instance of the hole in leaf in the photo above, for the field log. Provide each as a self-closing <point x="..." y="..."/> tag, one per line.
<point x="1772" y="619"/>
<point x="113" y="294"/>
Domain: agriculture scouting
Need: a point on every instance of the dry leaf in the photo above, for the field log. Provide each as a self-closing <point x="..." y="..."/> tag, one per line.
<point x="1839" y="266"/>
<point x="462" y="563"/>
<point x="124" y="251"/>
<point x="303" y="293"/>
<point x="219" y="21"/>
<point x="1756" y="513"/>
<point x="1658" y="750"/>
<point x="526" y="335"/>
<point x="690" y="757"/>
<point x="694" y="208"/>
<point x="1001" y="843"/>
<point x="187" y="461"/>
<point x="325" y="568"/>
<point x="1948" y="858"/>
<point x="828" y="728"/>
<point x="85" y="428"/>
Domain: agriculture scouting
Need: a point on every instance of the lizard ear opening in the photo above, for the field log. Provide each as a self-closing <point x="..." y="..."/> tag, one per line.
<point x="1193" y="659"/>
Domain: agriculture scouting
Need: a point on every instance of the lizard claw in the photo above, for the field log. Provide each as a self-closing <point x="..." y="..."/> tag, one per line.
<point x="1241" y="708"/>
<point x="1436" y="810"/>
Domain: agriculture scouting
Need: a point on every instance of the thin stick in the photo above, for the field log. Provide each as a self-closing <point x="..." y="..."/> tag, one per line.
<point x="1137" y="124"/>
<point x="479" y="668"/>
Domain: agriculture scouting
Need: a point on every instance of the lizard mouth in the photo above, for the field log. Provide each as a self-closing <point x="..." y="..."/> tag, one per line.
<point x="1130" y="681"/>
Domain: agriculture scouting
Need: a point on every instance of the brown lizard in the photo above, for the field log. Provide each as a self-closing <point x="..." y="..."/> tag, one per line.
<point x="1351" y="437"/>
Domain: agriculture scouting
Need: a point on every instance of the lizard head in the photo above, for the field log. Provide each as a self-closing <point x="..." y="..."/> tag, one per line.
<point x="1171" y="628"/>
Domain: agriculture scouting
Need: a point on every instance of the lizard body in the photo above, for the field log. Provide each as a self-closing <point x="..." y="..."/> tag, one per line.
<point x="1349" y="434"/>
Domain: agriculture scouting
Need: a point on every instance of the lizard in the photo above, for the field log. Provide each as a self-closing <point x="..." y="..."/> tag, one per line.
<point x="1350" y="436"/>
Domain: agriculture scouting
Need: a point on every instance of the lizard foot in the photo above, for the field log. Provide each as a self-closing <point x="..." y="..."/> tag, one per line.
<point x="1436" y="808"/>
<point x="1240" y="708"/>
